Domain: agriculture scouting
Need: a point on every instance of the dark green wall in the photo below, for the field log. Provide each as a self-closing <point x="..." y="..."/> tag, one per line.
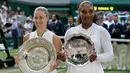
<point x="72" y="7"/>
<point x="24" y="7"/>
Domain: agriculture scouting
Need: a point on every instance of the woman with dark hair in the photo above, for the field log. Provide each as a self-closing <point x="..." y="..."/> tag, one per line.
<point x="78" y="20"/>
<point x="97" y="34"/>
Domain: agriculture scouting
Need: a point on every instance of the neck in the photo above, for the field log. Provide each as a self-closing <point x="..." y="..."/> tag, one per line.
<point x="41" y="32"/>
<point x="86" y="25"/>
<point x="116" y="22"/>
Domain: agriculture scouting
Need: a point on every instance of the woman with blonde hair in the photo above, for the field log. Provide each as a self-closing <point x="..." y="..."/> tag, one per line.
<point x="41" y="17"/>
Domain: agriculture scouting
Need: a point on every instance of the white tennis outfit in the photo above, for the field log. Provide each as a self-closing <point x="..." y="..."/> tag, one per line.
<point x="101" y="39"/>
<point x="47" y="35"/>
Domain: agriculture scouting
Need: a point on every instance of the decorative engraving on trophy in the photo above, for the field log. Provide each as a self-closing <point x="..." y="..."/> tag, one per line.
<point x="23" y="53"/>
<point x="78" y="48"/>
<point x="38" y="60"/>
<point x="36" y="55"/>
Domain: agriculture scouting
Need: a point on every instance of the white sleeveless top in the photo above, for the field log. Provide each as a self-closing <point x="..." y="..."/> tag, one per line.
<point x="47" y="35"/>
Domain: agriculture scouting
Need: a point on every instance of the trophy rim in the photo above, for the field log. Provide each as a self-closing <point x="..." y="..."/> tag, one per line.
<point x="25" y="47"/>
<point x="87" y="38"/>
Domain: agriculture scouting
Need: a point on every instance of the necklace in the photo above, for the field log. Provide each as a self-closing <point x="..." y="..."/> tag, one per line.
<point x="41" y="34"/>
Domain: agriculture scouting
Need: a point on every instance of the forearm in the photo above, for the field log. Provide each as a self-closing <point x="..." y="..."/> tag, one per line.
<point x="54" y="66"/>
<point x="106" y="45"/>
<point x="105" y="57"/>
<point x="107" y="54"/>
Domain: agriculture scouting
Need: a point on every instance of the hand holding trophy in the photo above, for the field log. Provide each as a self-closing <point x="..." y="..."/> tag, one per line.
<point x="61" y="56"/>
<point x="36" y="56"/>
<point x="79" y="50"/>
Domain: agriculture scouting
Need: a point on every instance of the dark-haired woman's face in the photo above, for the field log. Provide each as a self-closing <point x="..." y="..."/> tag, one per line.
<point x="86" y="13"/>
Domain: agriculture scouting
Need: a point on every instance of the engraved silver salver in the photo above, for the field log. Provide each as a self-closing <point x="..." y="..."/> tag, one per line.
<point x="36" y="56"/>
<point x="78" y="48"/>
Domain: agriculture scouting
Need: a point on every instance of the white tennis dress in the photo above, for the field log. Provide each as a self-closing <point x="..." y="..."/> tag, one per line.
<point x="101" y="39"/>
<point x="47" y="35"/>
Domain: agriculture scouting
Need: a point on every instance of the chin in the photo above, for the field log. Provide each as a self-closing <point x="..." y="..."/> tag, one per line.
<point x="87" y="22"/>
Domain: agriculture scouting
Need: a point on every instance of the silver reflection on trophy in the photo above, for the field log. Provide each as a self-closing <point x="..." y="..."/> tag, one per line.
<point x="36" y="56"/>
<point x="77" y="48"/>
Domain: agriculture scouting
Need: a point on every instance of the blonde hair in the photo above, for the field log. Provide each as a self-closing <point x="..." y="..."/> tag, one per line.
<point x="40" y="8"/>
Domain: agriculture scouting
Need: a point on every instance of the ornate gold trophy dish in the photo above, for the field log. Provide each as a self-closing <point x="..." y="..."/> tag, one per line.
<point x="36" y="55"/>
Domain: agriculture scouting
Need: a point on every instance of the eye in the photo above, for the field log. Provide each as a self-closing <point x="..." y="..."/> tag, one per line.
<point x="90" y="11"/>
<point x="83" y="11"/>
<point x="35" y="17"/>
<point x="41" y="17"/>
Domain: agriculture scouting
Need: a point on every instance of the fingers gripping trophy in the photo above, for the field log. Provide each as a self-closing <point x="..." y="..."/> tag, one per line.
<point x="36" y="56"/>
<point x="41" y="49"/>
<point x="78" y="48"/>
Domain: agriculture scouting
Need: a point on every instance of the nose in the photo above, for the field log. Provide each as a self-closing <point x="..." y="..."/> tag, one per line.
<point x="87" y="14"/>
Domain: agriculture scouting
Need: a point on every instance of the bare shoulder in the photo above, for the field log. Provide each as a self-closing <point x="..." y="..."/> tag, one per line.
<point x="57" y="43"/>
<point x="26" y="37"/>
<point x="57" y="40"/>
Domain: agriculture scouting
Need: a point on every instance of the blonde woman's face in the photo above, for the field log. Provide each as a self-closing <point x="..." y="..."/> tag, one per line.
<point x="40" y="19"/>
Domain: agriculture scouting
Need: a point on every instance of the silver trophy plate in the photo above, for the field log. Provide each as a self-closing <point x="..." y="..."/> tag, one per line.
<point x="36" y="56"/>
<point x="78" y="48"/>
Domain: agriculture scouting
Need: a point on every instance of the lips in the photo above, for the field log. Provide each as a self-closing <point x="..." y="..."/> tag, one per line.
<point x="86" y="19"/>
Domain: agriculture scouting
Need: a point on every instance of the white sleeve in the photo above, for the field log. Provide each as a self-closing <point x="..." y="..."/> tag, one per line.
<point x="106" y="45"/>
<point x="71" y="31"/>
<point x="66" y="35"/>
